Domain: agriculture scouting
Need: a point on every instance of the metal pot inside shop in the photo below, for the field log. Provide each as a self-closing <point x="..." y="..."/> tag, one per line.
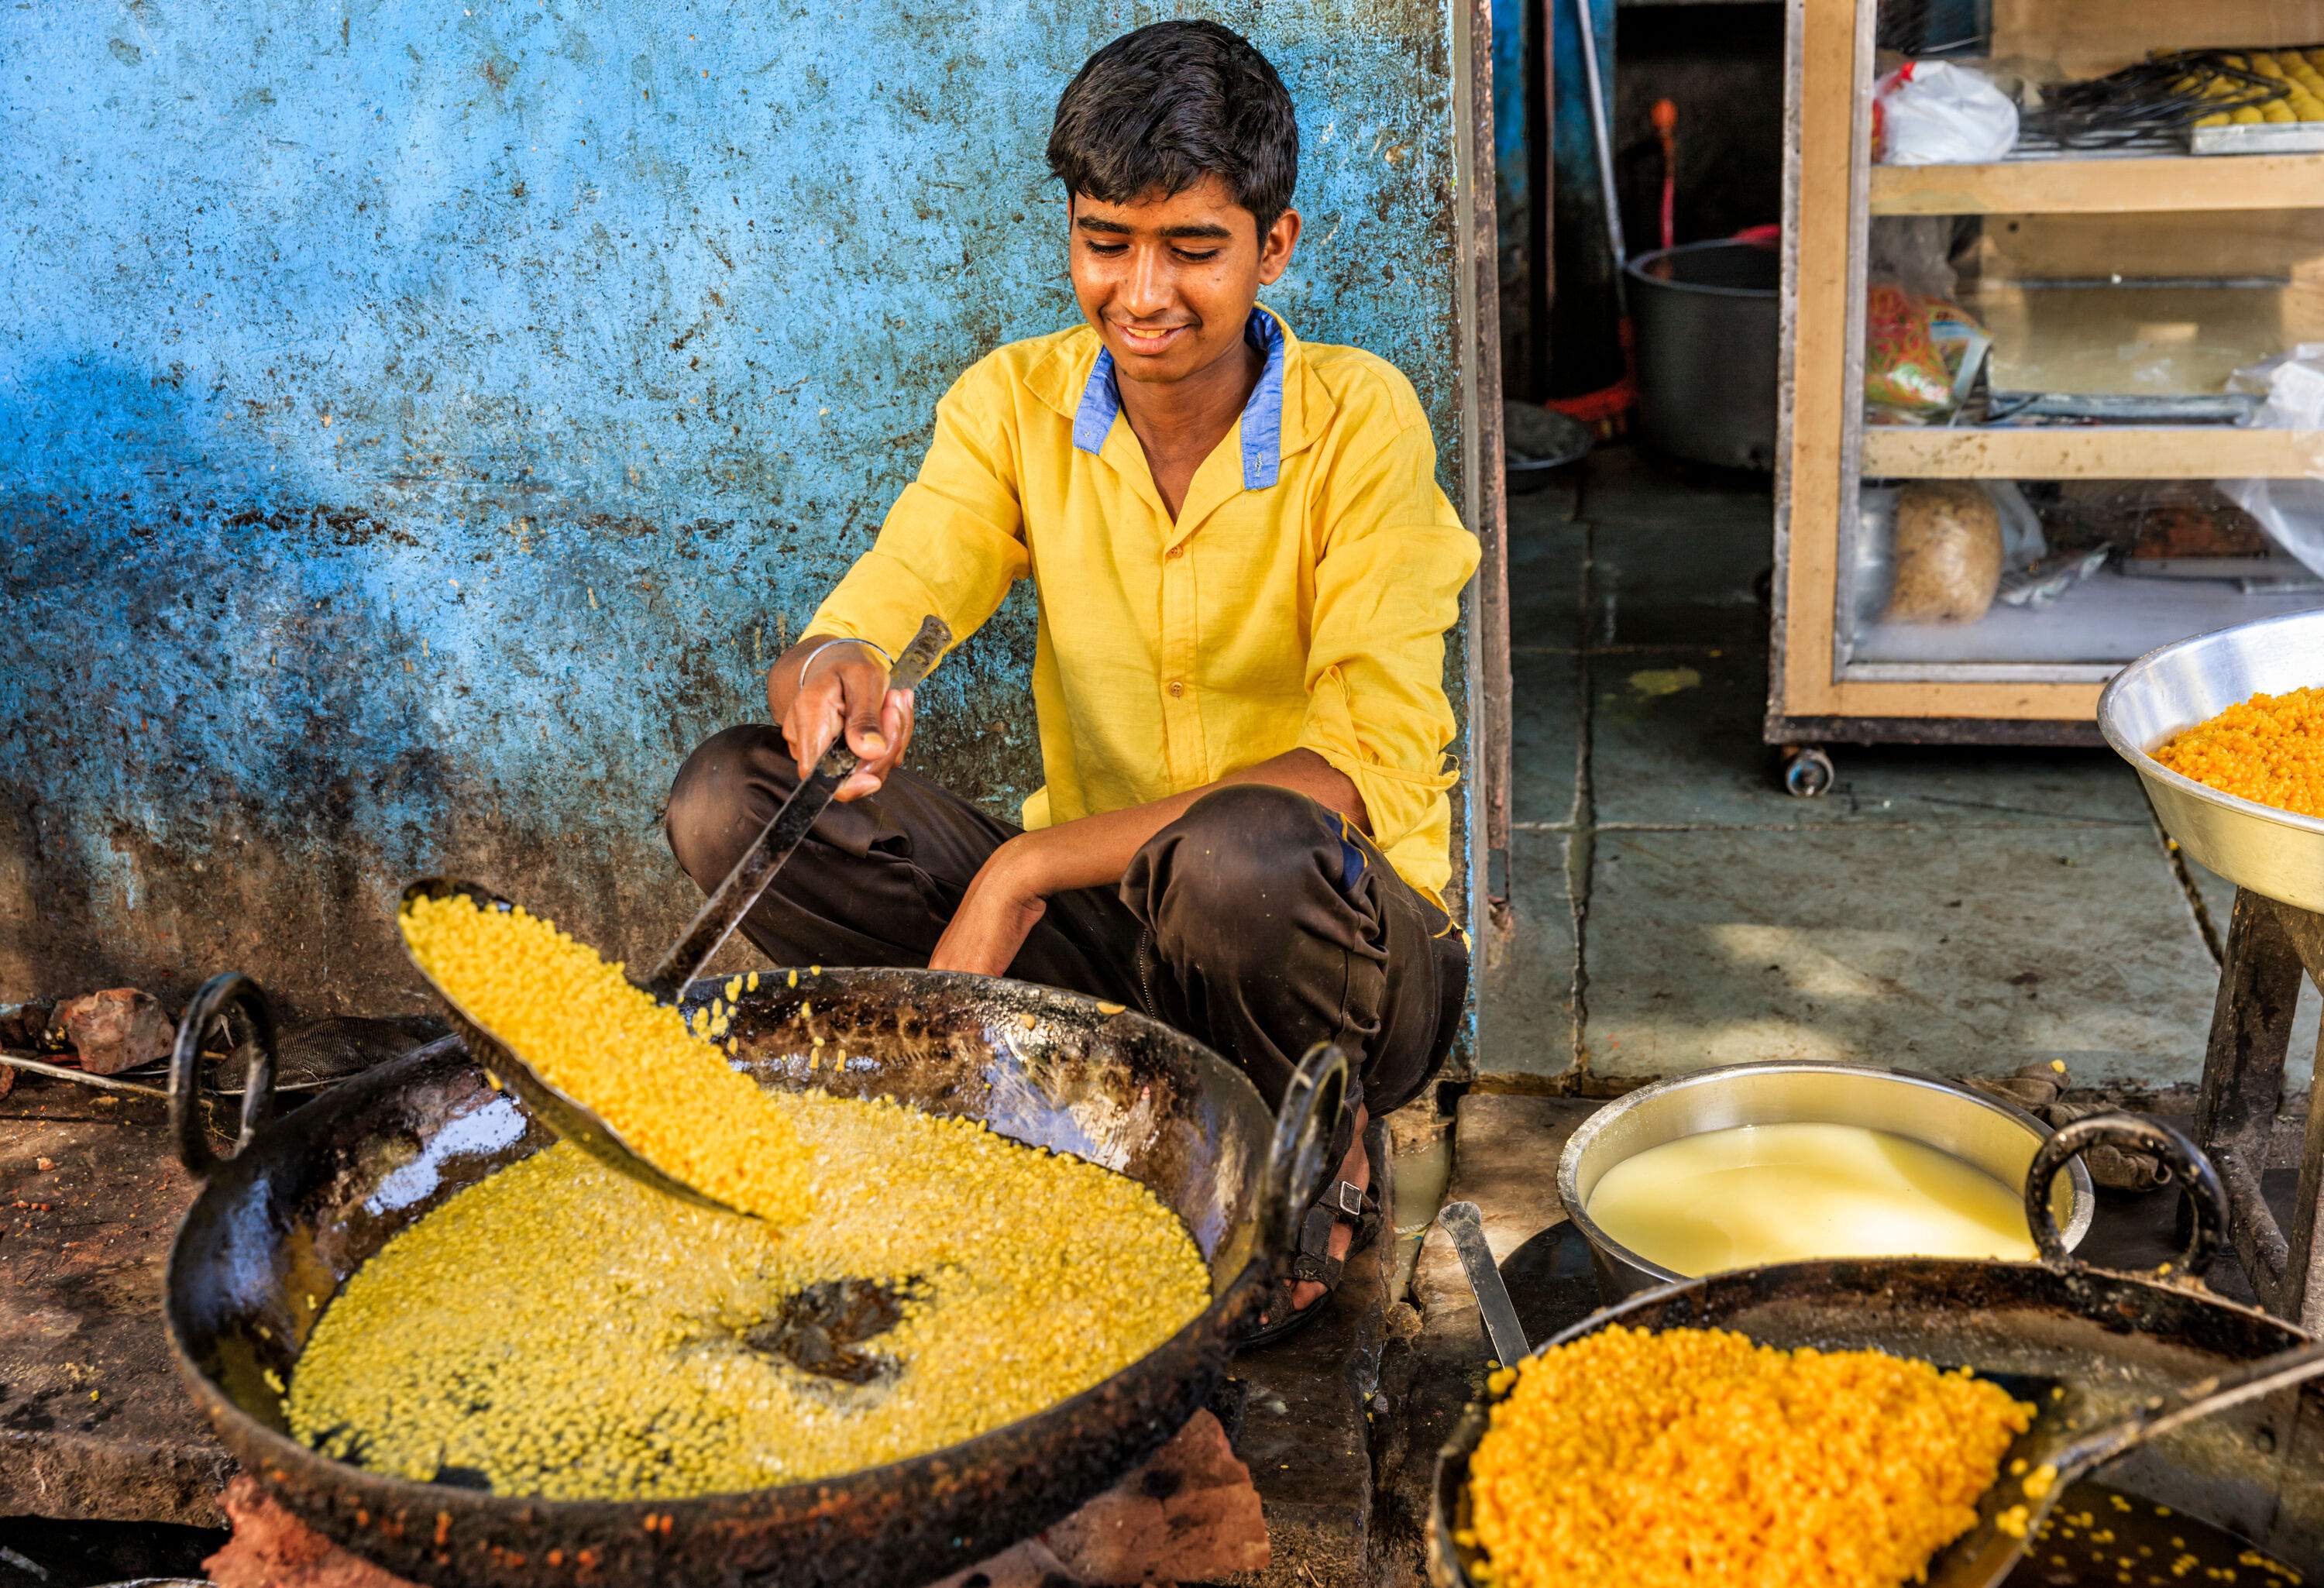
<point x="1707" y="318"/>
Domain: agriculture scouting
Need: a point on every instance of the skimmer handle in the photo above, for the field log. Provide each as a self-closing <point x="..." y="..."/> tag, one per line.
<point x="189" y="1119"/>
<point x="741" y="890"/>
<point x="1298" y="1155"/>
<point x="1461" y="1221"/>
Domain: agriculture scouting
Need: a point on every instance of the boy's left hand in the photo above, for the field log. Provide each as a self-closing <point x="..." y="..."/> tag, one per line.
<point x="995" y="917"/>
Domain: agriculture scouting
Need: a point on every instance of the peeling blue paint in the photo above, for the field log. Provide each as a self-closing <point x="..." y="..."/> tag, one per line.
<point x="422" y="423"/>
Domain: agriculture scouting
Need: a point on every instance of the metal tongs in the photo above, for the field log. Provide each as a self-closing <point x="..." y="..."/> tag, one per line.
<point x="713" y="924"/>
<point x="2040" y="1464"/>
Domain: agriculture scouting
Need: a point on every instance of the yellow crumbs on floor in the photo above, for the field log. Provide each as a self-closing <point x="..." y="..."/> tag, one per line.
<point x="2269" y="749"/>
<point x="578" y="1022"/>
<point x="558" y="1329"/>
<point x="1696" y="1456"/>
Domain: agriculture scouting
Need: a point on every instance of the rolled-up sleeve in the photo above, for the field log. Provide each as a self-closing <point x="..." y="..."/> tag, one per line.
<point x="954" y="542"/>
<point x="1388" y="586"/>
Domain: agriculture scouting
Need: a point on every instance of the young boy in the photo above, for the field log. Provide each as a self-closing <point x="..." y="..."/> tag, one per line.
<point x="1245" y="570"/>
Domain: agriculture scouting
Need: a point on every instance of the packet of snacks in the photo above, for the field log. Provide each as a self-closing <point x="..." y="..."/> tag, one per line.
<point x="1922" y="356"/>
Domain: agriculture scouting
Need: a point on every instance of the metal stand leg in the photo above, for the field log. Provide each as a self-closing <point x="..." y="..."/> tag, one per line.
<point x="2271" y="947"/>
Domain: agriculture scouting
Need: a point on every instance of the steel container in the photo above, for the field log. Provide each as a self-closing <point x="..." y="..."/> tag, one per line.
<point x="1982" y="1132"/>
<point x="2168" y="691"/>
<point x="1710" y="338"/>
<point x="1537" y="442"/>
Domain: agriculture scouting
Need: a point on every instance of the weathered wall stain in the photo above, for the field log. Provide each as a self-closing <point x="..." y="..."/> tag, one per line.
<point x="419" y="426"/>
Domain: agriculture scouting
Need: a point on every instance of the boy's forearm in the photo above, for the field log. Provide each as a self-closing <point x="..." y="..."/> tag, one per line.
<point x="1093" y="851"/>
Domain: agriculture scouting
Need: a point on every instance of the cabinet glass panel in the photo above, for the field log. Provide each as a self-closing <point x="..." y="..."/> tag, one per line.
<point x="2055" y="572"/>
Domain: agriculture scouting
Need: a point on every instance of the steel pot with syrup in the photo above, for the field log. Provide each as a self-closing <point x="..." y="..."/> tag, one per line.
<point x="308" y="1198"/>
<point x="1984" y="1133"/>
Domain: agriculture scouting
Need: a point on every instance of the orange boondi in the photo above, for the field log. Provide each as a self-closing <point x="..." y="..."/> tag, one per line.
<point x="1694" y="1457"/>
<point x="2269" y="749"/>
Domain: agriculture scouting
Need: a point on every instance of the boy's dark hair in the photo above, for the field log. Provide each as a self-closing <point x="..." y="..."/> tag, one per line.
<point x="1160" y="109"/>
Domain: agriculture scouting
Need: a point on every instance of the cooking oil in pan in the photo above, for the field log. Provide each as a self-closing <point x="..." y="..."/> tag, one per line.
<point x="1783" y="1192"/>
<point x="562" y="1329"/>
<point x="2100" y="1537"/>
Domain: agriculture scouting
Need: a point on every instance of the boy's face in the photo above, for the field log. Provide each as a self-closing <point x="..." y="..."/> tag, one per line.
<point x="1169" y="282"/>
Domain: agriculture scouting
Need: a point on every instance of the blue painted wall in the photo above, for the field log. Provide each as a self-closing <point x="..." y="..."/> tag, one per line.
<point x="421" y="423"/>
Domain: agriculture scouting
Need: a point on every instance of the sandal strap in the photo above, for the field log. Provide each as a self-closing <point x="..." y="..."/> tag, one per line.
<point x="1344" y="1202"/>
<point x="1358" y="1208"/>
<point x="1323" y="1271"/>
<point x="1314" y="1260"/>
<point x="1348" y="1200"/>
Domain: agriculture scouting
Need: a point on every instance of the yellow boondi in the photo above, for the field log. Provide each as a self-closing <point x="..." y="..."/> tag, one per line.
<point x="560" y="1330"/>
<point x="2269" y="749"/>
<point x="576" y="1020"/>
<point x="1693" y="1456"/>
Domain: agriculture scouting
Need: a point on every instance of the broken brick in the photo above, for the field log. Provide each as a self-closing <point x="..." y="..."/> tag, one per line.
<point x="271" y="1549"/>
<point x="116" y="1029"/>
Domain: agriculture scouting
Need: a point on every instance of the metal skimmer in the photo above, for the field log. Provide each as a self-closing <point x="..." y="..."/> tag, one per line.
<point x="720" y="914"/>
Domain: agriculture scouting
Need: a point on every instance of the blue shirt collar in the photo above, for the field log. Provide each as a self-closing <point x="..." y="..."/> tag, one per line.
<point x="1262" y="415"/>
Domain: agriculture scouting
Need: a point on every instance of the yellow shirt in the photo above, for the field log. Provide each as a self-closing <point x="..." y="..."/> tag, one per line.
<point x="1299" y="600"/>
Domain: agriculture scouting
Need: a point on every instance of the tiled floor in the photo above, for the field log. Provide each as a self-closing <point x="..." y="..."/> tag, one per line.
<point x="1958" y="910"/>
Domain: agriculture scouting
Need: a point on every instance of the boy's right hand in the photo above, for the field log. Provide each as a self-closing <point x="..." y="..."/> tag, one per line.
<point x="845" y="685"/>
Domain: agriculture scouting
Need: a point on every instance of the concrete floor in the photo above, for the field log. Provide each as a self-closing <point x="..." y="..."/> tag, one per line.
<point x="1962" y="910"/>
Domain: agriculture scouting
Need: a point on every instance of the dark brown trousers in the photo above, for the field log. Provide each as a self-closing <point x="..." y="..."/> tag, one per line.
<point x="1258" y="922"/>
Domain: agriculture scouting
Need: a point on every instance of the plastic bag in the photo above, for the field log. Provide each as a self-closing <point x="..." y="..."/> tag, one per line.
<point x="2028" y="576"/>
<point x="1934" y="112"/>
<point x="2023" y="544"/>
<point x="2292" y="512"/>
<point x="2039" y="584"/>
<point x="1948" y="553"/>
<point x="1914" y="250"/>
<point x="1963" y="342"/>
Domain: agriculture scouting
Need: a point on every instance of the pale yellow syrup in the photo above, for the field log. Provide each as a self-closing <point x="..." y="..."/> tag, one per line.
<point x="1762" y="1193"/>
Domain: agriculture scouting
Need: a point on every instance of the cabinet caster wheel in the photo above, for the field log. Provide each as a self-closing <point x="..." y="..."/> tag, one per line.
<point x="1807" y="771"/>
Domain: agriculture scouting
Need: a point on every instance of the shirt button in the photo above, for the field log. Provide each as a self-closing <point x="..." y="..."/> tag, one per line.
<point x="1177" y="552"/>
<point x="1176" y="687"/>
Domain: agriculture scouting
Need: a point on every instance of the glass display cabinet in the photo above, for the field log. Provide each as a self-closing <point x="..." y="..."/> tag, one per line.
<point x="2053" y="373"/>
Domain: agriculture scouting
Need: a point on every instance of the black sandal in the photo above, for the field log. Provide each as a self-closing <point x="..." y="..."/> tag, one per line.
<point x="1344" y="1202"/>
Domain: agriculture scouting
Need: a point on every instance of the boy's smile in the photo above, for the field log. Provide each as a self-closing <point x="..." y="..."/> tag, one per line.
<point x="1168" y="282"/>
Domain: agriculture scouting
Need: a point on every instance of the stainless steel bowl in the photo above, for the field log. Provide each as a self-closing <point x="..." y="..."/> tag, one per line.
<point x="1981" y="1130"/>
<point x="2167" y="691"/>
